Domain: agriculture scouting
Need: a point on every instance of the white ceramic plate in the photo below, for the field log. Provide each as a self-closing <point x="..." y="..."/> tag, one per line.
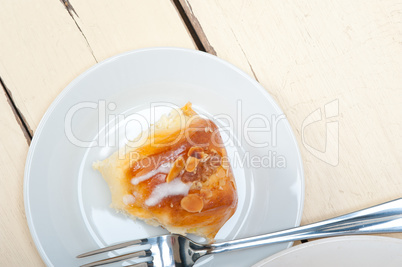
<point x="67" y="202"/>
<point x="346" y="251"/>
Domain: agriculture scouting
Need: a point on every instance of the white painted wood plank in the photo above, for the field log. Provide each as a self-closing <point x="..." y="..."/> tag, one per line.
<point x="43" y="47"/>
<point x="308" y="54"/>
<point x="41" y="51"/>
<point x="16" y="245"/>
<point x="119" y="26"/>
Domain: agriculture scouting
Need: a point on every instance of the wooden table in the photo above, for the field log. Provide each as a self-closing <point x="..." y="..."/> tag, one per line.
<point x="341" y="60"/>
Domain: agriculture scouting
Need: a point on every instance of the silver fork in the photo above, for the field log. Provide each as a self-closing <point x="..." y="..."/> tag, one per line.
<point x="177" y="250"/>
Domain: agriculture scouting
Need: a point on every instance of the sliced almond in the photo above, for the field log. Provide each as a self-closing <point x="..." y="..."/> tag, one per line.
<point x="192" y="203"/>
<point x="191" y="164"/>
<point x="177" y="167"/>
<point x="221" y="173"/>
<point x="196" y="152"/>
<point x="196" y="185"/>
<point x="204" y="157"/>
<point x="206" y="193"/>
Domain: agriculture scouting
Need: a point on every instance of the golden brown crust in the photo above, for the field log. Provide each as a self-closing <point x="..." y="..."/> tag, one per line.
<point x="179" y="178"/>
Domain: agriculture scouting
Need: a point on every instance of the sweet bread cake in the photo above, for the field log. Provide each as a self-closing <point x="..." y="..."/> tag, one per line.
<point x="178" y="177"/>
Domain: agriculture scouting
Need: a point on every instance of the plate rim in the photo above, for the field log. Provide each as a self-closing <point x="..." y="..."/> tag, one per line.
<point x="325" y="240"/>
<point x="66" y="90"/>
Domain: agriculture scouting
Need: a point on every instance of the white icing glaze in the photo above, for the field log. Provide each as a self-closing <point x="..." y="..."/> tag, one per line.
<point x="163" y="168"/>
<point x="174" y="188"/>
<point x="128" y="199"/>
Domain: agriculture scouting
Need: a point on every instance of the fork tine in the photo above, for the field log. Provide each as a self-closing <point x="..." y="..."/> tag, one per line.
<point x="113" y="247"/>
<point x="139" y="254"/>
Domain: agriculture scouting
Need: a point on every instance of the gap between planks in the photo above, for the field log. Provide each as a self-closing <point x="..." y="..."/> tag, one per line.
<point x="197" y="33"/>
<point x="27" y="131"/>
<point x="189" y="26"/>
<point x="194" y="32"/>
<point x="193" y="26"/>
<point x="71" y="11"/>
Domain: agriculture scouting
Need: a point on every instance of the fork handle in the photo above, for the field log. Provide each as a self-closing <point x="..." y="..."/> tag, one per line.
<point x="383" y="218"/>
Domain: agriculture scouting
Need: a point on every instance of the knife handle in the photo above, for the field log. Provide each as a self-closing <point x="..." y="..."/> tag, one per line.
<point x="383" y="218"/>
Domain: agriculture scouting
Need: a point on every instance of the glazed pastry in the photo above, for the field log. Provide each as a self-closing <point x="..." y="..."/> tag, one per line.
<point x="177" y="177"/>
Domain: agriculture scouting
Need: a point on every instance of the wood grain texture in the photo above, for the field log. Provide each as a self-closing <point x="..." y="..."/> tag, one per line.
<point x="16" y="245"/>
<point x="44" y="45"/>
<point x="119" y="26"/>
<point x="308" y="54"/>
